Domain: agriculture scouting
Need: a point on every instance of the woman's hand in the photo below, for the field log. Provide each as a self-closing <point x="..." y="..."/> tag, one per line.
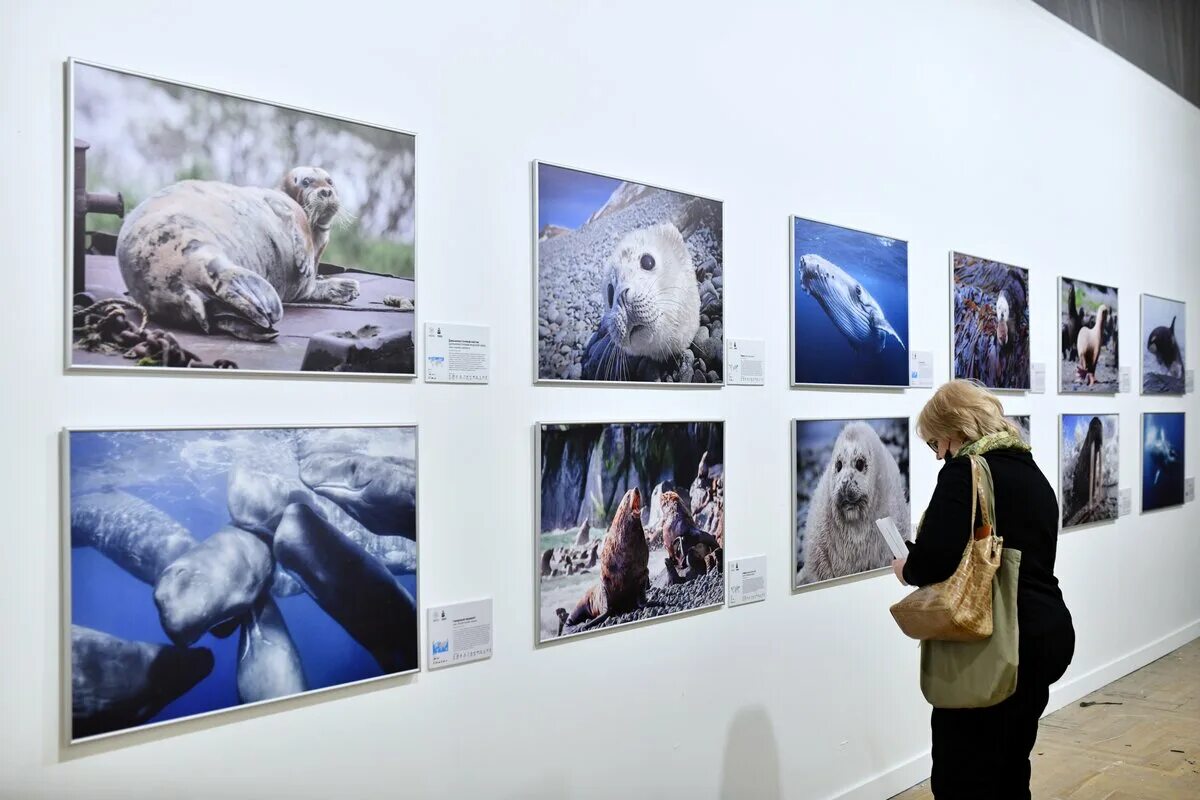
<point x="898" y="568"/>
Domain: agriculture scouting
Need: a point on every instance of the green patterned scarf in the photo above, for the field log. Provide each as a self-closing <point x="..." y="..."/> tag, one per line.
<point x="1000" y="440"/>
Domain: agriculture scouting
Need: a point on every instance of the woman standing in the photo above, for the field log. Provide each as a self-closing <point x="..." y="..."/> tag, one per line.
<point x="984" y="752"/>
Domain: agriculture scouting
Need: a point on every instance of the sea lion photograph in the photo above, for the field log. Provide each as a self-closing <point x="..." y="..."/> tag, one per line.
<point x="221" y="571"/>
<point x="629" y="281"/>
<point x="1089" y="318"/>
<point x="990" y="323"/>
<point x="1164" y="331"/>
<point x="849" y="306"/>
<point x="1163" y="473"/>
<point x="848" y="474"/>
<point x="1089" y="449"/>
<point x="617" y="540"/>
<point x="213" y="231"/>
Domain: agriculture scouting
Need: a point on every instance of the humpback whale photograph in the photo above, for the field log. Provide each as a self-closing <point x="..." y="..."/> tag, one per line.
<point x="849" y="306"/>
<point x="212" y="568"/>
<point x="1162" y="460"/>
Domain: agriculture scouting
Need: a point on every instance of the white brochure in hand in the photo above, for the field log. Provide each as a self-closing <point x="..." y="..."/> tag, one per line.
<point x="891" y="535"/>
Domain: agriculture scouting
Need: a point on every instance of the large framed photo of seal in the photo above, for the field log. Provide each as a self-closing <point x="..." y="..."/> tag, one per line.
<point x="211" y="568"/>
<point x="990" y="322"/>
<point x="1088" y="357"/>
<point x="630" y="523"/>
<point x="849" y="306"/>
<point x="1089" y="471"/>
<point x="207" y="230"/>
<point x="848" y="473"/>
<point x="1164" y="331"/>
<point x="630" y="281"/>
<point x="1162" y="459"/>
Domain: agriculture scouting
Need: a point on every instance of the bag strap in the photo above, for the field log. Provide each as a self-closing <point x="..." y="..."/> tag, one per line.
<point x="985" y="490"/>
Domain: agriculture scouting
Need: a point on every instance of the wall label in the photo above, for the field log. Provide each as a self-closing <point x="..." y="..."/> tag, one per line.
<point x="459" y="633"/>
<point x="747" y="580"/>
<point x="920" y="368"/>
<point x="745" y="362"/>
<point x="456" y="353"/>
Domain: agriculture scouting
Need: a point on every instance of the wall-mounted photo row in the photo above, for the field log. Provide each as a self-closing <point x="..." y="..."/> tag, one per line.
<point x="1088" y="353"/>
<point x="630" y="281"/>
<point x="990" y="324"/>
<point x="1164" y="328"/>
<point x="1162" y="460"/>
<point x="1023" y="426"/>
<point x="216" y="567"/>
<point x="848" y="473"/>
<point x="1089" y="469"/>
<point x="630" y="523"/>
<point x="849" y="306"/>
<point x="209" y="230"/>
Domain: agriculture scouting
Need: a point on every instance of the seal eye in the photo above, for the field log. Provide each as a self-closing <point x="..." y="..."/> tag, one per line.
<point x="611" y="294"/>
<point x="647" y="261"/>
<point x="860" y="464"/>
<point x="837" y="466"/>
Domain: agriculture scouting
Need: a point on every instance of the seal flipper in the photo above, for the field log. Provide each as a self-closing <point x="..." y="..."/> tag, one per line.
<point x="244" y="304"/>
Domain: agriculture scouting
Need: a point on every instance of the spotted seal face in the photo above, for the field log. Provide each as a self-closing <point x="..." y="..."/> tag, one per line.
<point x="312" y="188"/>
<point x="852" y="471"/>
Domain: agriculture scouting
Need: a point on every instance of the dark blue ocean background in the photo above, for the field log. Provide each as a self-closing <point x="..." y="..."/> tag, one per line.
<point x="1169" y="489"/>
<point x="104" y="597"/>
<point x="822" y="353"/>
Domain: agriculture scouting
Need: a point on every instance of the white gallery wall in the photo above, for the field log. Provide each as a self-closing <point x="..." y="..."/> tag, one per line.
<point x="986" y="126"/>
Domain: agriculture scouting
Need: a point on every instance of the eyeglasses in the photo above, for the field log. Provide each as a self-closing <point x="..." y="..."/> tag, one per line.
<point x="933" y="445"/>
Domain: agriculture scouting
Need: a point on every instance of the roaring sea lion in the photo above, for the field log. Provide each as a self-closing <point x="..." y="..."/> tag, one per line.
<point x="268" y="664"/>
<point x="213" y="256"/>
<point x="850" y="307"/>
<point x="135" y="535"/>
<point x="624" y="569"/>
<point x="687" y="545"/>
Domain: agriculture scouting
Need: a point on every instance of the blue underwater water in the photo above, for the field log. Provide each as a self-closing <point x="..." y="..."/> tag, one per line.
<point x="1168" y="490"/>
<point x="104" y="597"/>
<point x="822" y="354"/>
<point x="567" y="197"/>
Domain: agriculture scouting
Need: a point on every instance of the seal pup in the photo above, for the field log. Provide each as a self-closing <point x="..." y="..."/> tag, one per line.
<point x="860" y="484"/>
<point x="268" y="664"/>
<point x="138" y="537"/>
<point x="847" y="303"/>
<point x="1165" y="348"/>
<point x="212" y="256"/>
<point x="1088" y="344"/>
<point x="1087" y="484"/>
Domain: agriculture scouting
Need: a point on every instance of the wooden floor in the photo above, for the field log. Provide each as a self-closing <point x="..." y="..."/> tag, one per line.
<point x="1146" y="747"/>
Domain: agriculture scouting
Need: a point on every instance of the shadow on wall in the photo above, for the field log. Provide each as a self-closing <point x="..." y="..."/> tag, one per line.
<point x="751" y="765"/>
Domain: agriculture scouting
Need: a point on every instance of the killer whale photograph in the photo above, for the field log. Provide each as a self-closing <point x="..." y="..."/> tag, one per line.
<point x="217" y="232"/>
<point x="1162" y="460"/>
<point x="849" y="306"/>
<point x="630" y="523"/>
<point x="214" y="568"/>
<point x="848" y="473"/>
<point x="1088" y="352"/>
<point x="1088" y="468"/>
<point x="1164" y="330"/>
<point x="630" y="281"/>
<point x="990" y="324"/>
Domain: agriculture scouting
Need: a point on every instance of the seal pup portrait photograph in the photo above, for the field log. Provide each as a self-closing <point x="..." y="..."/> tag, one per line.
<point x="1163" y="473"/>
<point x="848" y="474"/>
<point x="1164" y="334"/>
<point x="214" y="231"/>
<point x="211" y="568"/>
<point x="1089" y="316"/>
<point x="630" y="523"/>
<point x="629" y="282"/>
<point x="990" y="322"/>
<point x="849" y="306"/>
<point x="1088" y="466"/>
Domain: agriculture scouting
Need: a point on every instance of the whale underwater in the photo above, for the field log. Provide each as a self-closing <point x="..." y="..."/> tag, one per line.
<point x="847" y="303"/>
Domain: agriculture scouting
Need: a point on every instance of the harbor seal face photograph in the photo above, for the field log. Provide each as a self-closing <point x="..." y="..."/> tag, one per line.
<point x="848" y="474"/>
<point x="1163" y="465"/>
<point x="990" y="322"/>
<point x="1089" y="317"/>
<point x="195" y="245"/>
<point x="630" y="281"/>
<point x="1089" y="449"/>
<point x="849" y="307"/>
<point x="1164" y="331"/>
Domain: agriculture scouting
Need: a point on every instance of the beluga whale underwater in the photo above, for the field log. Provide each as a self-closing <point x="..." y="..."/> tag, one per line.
<point x="850" y="307"/>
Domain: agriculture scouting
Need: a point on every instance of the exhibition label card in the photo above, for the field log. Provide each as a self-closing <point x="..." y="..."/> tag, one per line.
<point x="460" y="633"/>
<point x="891" y="535"/>
<point x="1189" y="490"/>
<point x="456" y="353"/>
<point x="1126" y="379"/>
<point x="1037" y="378"/>
<point x="1126" y="502"/>
<point x="920" y="368"/>
<point x="745" y="362"/>
<point x="1189" y="381"/>
<point x="747" y="580"/>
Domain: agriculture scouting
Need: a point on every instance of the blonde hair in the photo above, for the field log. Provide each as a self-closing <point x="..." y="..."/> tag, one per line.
<point x="964" y="410"/>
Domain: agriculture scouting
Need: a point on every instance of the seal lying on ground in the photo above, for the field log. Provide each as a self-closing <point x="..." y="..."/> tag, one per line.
<point x="217" y="257"/>
<point x="851" y="308"/>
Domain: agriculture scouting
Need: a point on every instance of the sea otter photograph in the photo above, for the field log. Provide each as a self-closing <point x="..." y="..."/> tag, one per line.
<point x="215" y="568"/>
<point x="1089" y="471"/>
<point x="630" y="523"/>
<point x="990" y="324"/>
<point x="213" y="231"/>
<point x="630" y="281"/>
<point x="849" y="306"/>
<point x="1088" y="316"/>
<point x="1164" y="330"/>
<point x="848" y="474"/>
<point x="1163" y="475"/>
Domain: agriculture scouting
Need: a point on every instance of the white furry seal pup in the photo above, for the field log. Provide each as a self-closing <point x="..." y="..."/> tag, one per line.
<point x="214" y="256"/>
<point x="860" y="484"/>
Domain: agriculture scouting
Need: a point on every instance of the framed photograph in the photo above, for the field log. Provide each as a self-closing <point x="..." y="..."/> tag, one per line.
<point x="209" y="568"/>
<point x="1088" y="316"/>
<point x="213" y="231"/>
<point x="1164" y="330"/>
<point x="1023" y="426"/>
<point x="630" y="520"/>
<point x="630" y="281"/>
<point x="1162" y="460"/>
<point x="990" y="333"/>
<point x="848" y="473"/>
<point x="849" y="306"/>
<point x="1088" y="468"/>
